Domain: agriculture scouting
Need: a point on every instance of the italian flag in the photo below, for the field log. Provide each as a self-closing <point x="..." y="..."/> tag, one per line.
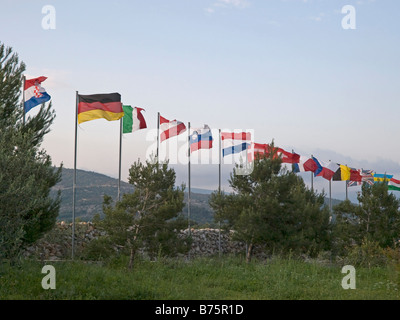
<point x="394" y="184"/>
<point x="133" y="119"/>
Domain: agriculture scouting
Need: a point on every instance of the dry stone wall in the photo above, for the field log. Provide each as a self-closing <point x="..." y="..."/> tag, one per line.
<point x="205" y="242"/>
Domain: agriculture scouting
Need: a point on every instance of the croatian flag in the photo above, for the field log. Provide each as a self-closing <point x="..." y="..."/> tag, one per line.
<point x="201" y="138"/>
<point x="170" y="128"/>
<point x="35" y="94"/>
<point x="235" y="142"/>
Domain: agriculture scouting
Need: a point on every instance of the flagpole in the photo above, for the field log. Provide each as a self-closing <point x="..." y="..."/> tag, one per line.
<point x="219" y="190"/>
<point x="158" y="135"/>
<point x="23" y="101"/>
<point x="120" y="153"/>
<point x="74" y="182"/>
<point x="189" y="191"/>
<point x="347" y="195"/>
<point x="312" y="178"/>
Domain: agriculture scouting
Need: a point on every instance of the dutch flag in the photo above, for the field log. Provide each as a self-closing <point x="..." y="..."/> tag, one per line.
<point x="235" y="142"/>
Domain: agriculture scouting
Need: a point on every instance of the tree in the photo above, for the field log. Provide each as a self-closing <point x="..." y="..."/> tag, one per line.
<point x="376" y="218"/>
<point x="148" y="218"/>
<point x="273" y="207"/>
<point x="27" y="175"/>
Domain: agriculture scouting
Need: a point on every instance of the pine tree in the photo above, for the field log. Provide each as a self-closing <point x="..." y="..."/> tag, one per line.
<point x="150" y="217"/>
<point x="273" y="207"/>
<point x="376" y="218"/>
<point x="27" y="174"/>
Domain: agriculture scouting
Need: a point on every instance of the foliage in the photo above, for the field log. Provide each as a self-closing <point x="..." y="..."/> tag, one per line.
<point x="149" y="217"/>
<point x="198" y="279"/>
<point x="27" y="211"/>
<point x="272" y="206"/>
<point x="376" y="219"/>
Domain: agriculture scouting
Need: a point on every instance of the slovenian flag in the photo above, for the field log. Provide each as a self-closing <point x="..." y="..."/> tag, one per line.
<point x="201" y="138"/>
<point x="34" y="93"/>
<point x="235" y="142"/>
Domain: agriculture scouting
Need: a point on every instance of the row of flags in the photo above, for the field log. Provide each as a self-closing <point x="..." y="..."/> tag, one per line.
<point x="109" y="107"/>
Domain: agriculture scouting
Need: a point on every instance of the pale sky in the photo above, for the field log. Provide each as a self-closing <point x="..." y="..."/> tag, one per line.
<point x="286" y="69"/>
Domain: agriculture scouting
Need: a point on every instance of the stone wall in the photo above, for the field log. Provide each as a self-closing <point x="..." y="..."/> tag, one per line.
<point x="206" y="242"/>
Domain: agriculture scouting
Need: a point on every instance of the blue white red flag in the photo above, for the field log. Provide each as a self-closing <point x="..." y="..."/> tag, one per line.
<point x="235" y="142"/>
<point x="35" y="94"/>
<point x="201" y="138"/>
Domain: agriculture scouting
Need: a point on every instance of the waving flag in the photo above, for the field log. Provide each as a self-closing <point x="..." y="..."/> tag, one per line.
<point x="234" y="142"/>
<point x="34" y="93"/>
<point x="170" y="128"/>
<point x="133" y="119"/>
<point x="367" y="176"/>
<point x="325" y="169"/>
<point x="305" y="164"/>
<point x="380" y="177"/>
<point x="355" y="178"/>
<point x="394" y="184"/>
<point x="342" y="173"/>
<point x="265" y="149"/>
<point x="96" y="106"/>
<point x="201" y="138"/>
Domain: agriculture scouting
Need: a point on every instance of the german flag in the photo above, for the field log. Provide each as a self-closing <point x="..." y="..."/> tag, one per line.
<point x="96" y="106"/>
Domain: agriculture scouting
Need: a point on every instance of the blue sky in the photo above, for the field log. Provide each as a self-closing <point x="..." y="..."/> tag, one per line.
<point x="283" y="68"/>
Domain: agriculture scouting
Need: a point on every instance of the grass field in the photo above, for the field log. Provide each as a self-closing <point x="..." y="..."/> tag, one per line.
<point x="228" y="278"/>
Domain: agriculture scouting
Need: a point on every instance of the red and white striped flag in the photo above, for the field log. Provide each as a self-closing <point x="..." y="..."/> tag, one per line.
<point x="170" y="128"/>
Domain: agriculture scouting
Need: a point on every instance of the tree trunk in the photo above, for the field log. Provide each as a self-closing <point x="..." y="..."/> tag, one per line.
<point x="131" y="259"/>
<point x="249" y="252"/>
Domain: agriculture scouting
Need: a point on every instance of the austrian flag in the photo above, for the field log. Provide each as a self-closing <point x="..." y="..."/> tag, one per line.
<point x="170" y="128"/>
<point x="34" y="93"/>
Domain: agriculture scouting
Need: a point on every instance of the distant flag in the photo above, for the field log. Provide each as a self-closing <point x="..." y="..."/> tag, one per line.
<point x="201" y="138"/>
<point x="342" y="173"/>
<point x="133" y="119"/>
<point x="355" y="178"/>
<point x="305" y="164"/>
<point x="170" y="128"/>
<point x="325" y="169"/>
<point x="265" y="149"/>
<point x="34" y="93"/>
<point x="367" y="176"/>
<point x="380" y="177"/>
<point x="288" y="157"/>
<point x="97" y="106"/>
<point x="235" y="142"/>
<point x="394" y="184"/>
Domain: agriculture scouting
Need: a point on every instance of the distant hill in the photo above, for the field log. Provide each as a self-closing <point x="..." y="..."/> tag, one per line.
<point x="92" y="186"/>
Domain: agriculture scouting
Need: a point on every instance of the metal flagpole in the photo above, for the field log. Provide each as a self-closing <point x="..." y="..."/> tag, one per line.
<point x="158" y="135"/>
<point x="23" y="101"/>
<point x="120" y="153"/>
<point x="74" y="182"/>
<point x="347" y="194"/>
<point x="219" y="191"/>
<point x="312" y="179"/>
<point x="189" y="191"/>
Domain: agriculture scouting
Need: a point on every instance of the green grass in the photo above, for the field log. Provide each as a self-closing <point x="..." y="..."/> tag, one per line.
<point x="228" y="278"/>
